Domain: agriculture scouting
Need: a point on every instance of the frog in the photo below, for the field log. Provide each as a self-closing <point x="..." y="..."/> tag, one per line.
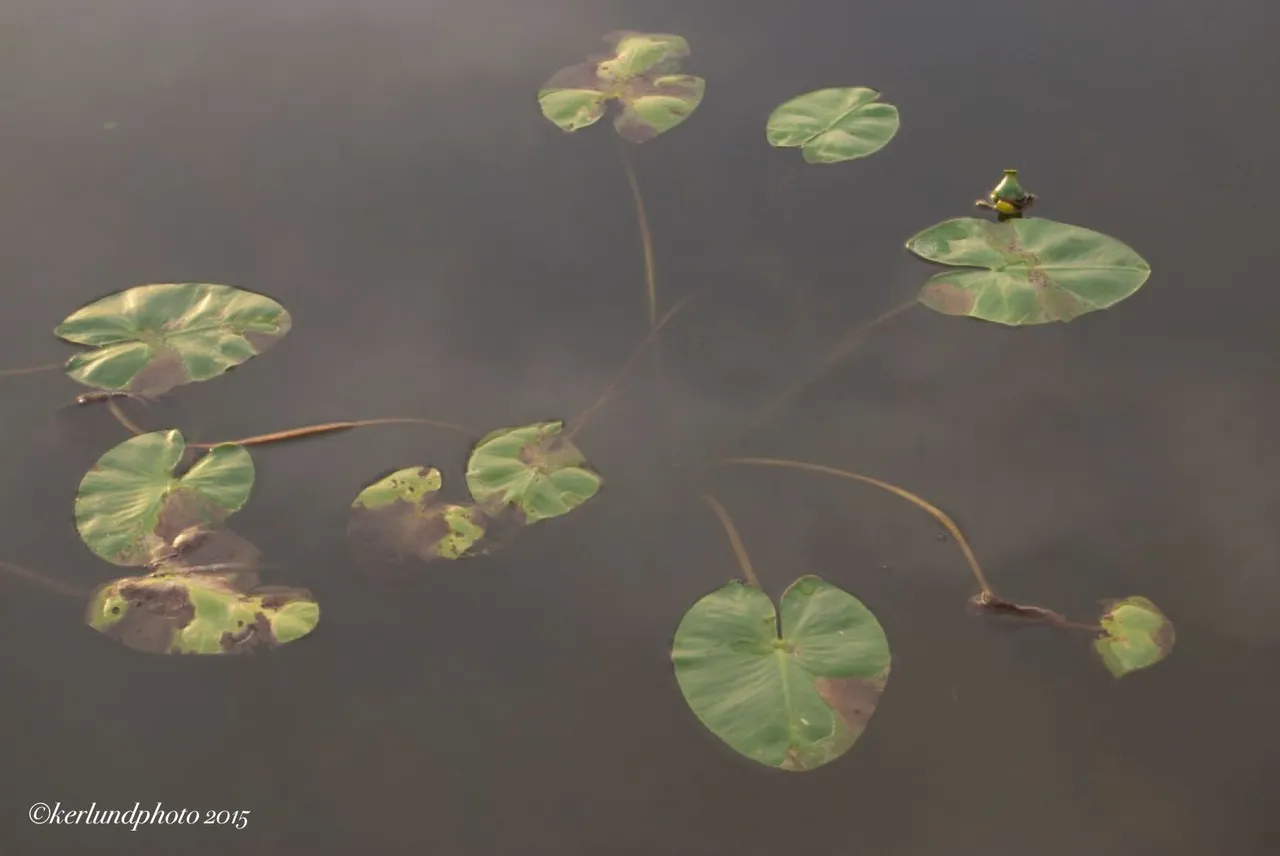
<point x="1007" y="199"/>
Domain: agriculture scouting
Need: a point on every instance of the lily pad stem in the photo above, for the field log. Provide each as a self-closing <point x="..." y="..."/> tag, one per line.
<point x="923" y="504"/>
<point x="330" y="428"/>
<point x="47" y="367"/>
<point x="646" y="240"/>
<point x="43" y="581"/>
<point x="735" y="541"/>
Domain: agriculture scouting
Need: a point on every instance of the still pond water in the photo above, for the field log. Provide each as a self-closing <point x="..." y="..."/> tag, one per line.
<point x="381" y="168"/>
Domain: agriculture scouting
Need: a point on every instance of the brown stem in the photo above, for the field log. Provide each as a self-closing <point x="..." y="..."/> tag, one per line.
<point x="330" y="428"/>
<point x="47" y="367"/>
<point x="580" y="421"/>
<point x="122" y="419"/>
<point x="924" y="505"/>
<point x="988" y="602"/>
<point x="43" y="581"/>
<point x="837" y="352"/>
<point x="735" y="541"/>
<point x="646" y="240"/>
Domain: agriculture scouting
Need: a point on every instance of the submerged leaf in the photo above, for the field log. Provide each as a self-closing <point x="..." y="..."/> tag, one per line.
<point x="795" y="700"/>
<point x="534" y="469"/>
<point x="200" y="613"/>
<point x="132" y="510"/>
<point x="1135" y="635"/>
<point x="1029" y="271"/>
<point x="833" y="125"/>
<point x="638" y="75"/>
<point x="151" y="338"/>
<point x="398" y="516"/>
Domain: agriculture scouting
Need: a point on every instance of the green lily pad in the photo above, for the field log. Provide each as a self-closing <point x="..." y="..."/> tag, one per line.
<point x="639" y="75"/>
<point x="833" y="125"/>
<point x="398" y="516"/>
<point x="795" y="700"/>
<point x="206" y="613"/>
<point x="1135" y="635"/>
<point x="131" y="509"/>
<point x="1026" y="271"/>
<point x="533" y="469"/>
<point x="151" y="338"/>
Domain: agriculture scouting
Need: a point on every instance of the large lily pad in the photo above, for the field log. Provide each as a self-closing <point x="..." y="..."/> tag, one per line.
<point x="795" y="699"/>
<point x="1135" y="635"/>
<point x="639" y="75"/>
<point x="131" y="509"/>
<point x="1029" y="271"/>
<point x="533" y="469"/>
<point x="200" y="613"/>
<point x="151" y="338"/>
<point x="833" y="125"/>
<point x="399" y="516"/>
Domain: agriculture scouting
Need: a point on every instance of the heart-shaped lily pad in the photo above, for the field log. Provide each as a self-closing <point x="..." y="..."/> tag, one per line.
<point x="532" y="468"/>
<point x="200" y="613"/>
<point x="1135" y="635"/>
<point x="151" y="338"/>
<point x="833" y="125"/>
<point x="794" y="700"/>
<point x="399" y="516"/>
<point x="131" y="508"/>
<point x="638" y="75"/>
<point x="1032" y="270"/>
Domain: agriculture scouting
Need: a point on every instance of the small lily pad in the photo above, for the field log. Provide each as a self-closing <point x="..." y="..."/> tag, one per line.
<point x="131" y="509"/>
<point x="532" y="468"/>
<point x="639" y="76"/>
<point x="833" y="125"/>
<point x="795" y="699"/>
<point x="151" y="338"/>
<point x="1135" y="635"/>
<point x="399" y="516"/>
<point x="1025" y="271"/>
<point x="206" y="613"/>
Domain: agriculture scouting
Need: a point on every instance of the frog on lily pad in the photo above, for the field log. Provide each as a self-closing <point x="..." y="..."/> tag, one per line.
<point x="1007" y="199"/>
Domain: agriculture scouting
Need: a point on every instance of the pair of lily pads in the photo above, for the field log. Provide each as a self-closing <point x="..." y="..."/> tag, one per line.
<point x="201" y="593"/>
<point x="519" y="476"/>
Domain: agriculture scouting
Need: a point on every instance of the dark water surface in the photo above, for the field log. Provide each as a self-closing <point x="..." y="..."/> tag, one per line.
<point x="381" y="168"/>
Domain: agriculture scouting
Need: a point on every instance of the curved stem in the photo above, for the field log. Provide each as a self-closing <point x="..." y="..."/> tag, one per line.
<point x="924" y="505"/>
<point x="646" y="240"/>
<point x="43" y="581"/>
<point x="47" y="367"/>
<point x="330" y="428"/>
<point x="580" y="421"/>
<point x="122" y="419"/>
<point x="837" y="352"/>
<point x="740" y="551"/>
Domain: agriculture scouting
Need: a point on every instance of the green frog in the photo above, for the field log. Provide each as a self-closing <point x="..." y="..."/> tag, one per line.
<point x="1007" y="199"/>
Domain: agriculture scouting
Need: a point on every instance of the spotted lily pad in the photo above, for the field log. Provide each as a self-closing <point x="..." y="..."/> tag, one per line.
<point x="200" y="613"/>
<point x="151" y="338"/>
<point x="1025" y="271"/>
<point x="399" y="516"/>
<point x="131" y="509"/>
<point x="1135" y="635"/>
<point x="795" y="699"/>
<point x="639" y="76"/>
<point x="533" y="469"/>
<point x="833" y="125"/>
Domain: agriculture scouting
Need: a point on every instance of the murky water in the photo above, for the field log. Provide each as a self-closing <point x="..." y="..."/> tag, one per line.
<point x="381" y="168"/>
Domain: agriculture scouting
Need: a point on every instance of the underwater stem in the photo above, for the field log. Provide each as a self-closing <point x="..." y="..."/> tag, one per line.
<point x="330" y="428"/>
<point x="646" y="240"/>
<point x="928" y="507"/>
<point x="740" y="551"/>
<point x="579" y="422"/>
<point x="122" y="419"/>
<point x="43" y="581"/>
<point x="47" y="367"/>
<point x="837" y="352"/>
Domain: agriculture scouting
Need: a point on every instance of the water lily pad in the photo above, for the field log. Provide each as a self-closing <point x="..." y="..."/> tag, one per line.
<point x="151" y="338"/>
<point x="1026" y="271"/>
<point x="1135" y="635"/>
<point x="533" y="469"/>
<point x="794" y="700"/>
<point x="639" y="76"/>
<point x="209" y="613"/>
<point x="131" y="508"/>
<point x="399" y="516"/>
<point x="833" y="125"/>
